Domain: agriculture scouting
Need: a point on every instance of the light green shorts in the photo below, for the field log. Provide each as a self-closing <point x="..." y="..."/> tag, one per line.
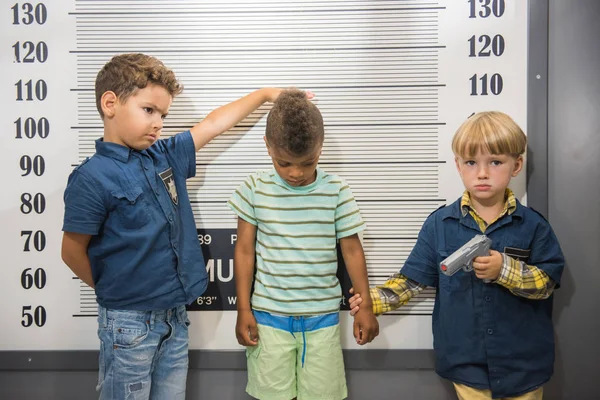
<point x="275" y="365"/>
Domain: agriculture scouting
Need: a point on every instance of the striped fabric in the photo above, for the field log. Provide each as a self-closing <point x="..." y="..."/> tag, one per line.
<point x="297" y="231"/>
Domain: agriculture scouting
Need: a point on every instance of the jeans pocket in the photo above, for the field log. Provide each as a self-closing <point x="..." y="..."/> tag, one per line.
<point x="129" y="333"/>
<point x="183" y="316"/>
<point x="101" y="367"/>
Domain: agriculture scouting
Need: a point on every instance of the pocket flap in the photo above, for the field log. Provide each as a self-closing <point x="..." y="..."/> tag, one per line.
<point x="130" y="194"/>
<point x="519" y="254"/>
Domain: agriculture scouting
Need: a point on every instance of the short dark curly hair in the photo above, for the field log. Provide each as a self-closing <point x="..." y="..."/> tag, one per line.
<point x="125" y="73"/>
<point x="295" y="124"/>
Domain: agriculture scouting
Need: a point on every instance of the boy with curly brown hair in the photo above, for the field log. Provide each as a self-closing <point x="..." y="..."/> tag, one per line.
<point x="289" y="221"/>
<point x="129" y="230"/>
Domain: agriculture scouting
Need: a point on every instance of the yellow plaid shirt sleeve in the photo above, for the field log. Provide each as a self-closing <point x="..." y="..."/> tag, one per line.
<point x="395" y="292"/>
<point x="524" y="280"/>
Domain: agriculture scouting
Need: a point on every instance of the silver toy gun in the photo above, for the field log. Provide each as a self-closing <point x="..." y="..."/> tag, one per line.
<point x="463" y="257"/>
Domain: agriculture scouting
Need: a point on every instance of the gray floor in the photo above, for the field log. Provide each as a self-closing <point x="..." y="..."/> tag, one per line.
<point x="221" y="385"/>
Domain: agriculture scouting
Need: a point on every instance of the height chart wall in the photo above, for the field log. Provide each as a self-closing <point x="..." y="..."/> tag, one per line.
<point x="393" y="79"/>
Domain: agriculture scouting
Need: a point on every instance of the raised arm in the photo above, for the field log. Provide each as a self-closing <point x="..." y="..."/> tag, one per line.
<point x="227" y="116"/>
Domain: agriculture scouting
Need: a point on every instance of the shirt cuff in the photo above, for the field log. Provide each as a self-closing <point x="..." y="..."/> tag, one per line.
<point x="506" y="271"/>
<point x="377" y="300"/>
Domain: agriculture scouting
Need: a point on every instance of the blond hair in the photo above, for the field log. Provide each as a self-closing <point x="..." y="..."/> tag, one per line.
<point x="124" y="74"/>
<point x="489" y="131"/>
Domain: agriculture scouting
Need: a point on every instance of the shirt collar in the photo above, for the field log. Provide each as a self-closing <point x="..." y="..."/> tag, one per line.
<point x="510" y="205"/>
<point x="113" y="150"/>
<point x="299" y="189"/>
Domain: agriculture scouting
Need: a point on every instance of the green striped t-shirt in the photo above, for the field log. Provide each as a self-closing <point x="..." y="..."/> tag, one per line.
<point x="297" y="230"/>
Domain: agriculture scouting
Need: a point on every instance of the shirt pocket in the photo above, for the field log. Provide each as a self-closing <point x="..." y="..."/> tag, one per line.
<point x="131" y="208"/>
<point x="459" y="282"/>
<point x="521" y="254"/>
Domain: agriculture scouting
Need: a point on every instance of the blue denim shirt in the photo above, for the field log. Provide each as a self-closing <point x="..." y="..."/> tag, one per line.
<point x="144" y="251"/>
<point x="485" y="336"/>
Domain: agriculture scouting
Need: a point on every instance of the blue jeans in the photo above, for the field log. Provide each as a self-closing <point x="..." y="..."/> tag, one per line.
<point x="143" y="354"/>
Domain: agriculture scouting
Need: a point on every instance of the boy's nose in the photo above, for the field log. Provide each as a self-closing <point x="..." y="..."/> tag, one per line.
<point x="296" y="173"/>
<point x="482" y="172"/>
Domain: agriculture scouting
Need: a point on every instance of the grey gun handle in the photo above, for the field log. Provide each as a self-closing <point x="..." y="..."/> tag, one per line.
<point x="469" y="268"/>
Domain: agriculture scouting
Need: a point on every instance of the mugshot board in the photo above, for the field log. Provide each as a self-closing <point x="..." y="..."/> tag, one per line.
<point x="393" y="80"/>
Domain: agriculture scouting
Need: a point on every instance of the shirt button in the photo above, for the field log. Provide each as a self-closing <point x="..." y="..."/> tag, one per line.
<point x="170" y="219"/>
<point x="156" y="191"/>
<point x="488" y="298"/>
<point x="490" y="331"/>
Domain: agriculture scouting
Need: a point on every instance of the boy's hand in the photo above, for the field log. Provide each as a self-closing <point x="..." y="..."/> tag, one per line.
<point x="355" y="302"/>
<point x="366" y="327"/>
<point x="225" y="117"/>
<point x="488" y="267"/>
<point x="246" y="330"/>
<point x="271" y="94"/>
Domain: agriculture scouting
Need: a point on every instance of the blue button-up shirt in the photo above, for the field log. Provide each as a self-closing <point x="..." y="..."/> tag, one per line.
<point x="144" y="250"/>
<point x="485" y="336"/>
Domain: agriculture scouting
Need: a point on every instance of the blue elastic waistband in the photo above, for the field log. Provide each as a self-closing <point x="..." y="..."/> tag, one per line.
<point x="297" y="324"/>
<point x="285" y="323"/>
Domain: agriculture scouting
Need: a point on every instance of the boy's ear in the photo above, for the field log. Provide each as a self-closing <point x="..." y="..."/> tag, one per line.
<point x="518" y="166"/>
<point x="108" y="102"/>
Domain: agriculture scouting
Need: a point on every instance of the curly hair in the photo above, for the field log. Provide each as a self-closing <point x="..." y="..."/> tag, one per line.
<point x="124" y="74"/>
<point x="295" y="124"/>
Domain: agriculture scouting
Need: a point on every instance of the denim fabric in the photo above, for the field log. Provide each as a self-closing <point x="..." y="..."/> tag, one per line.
<point x="483" y="335"/>
<point x="143" y="355"/>
<point x="144" y="251"/>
